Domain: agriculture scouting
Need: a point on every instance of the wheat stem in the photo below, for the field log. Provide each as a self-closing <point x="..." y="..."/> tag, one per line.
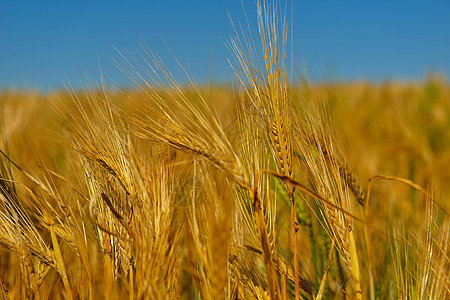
<point x="325" y="273"/>
<point x="60" y="263"/>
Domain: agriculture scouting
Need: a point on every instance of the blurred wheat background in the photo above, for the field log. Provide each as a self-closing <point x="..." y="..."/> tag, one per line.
<point x="273" y="188"/>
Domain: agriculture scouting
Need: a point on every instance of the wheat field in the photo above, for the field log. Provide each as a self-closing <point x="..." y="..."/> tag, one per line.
<point x="273" y="188"/>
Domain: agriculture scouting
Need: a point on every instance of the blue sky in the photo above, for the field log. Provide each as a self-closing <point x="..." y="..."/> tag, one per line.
<point x="42" y="42"/>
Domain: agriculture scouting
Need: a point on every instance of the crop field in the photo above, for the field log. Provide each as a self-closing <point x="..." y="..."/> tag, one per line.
<point x="273" y="188"/>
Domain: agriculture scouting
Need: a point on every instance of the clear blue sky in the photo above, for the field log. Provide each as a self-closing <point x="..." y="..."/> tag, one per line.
<point x="41" y="42"/>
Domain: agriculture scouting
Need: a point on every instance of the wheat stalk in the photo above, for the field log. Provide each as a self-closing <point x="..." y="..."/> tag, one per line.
<point x="266" y="83"/>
